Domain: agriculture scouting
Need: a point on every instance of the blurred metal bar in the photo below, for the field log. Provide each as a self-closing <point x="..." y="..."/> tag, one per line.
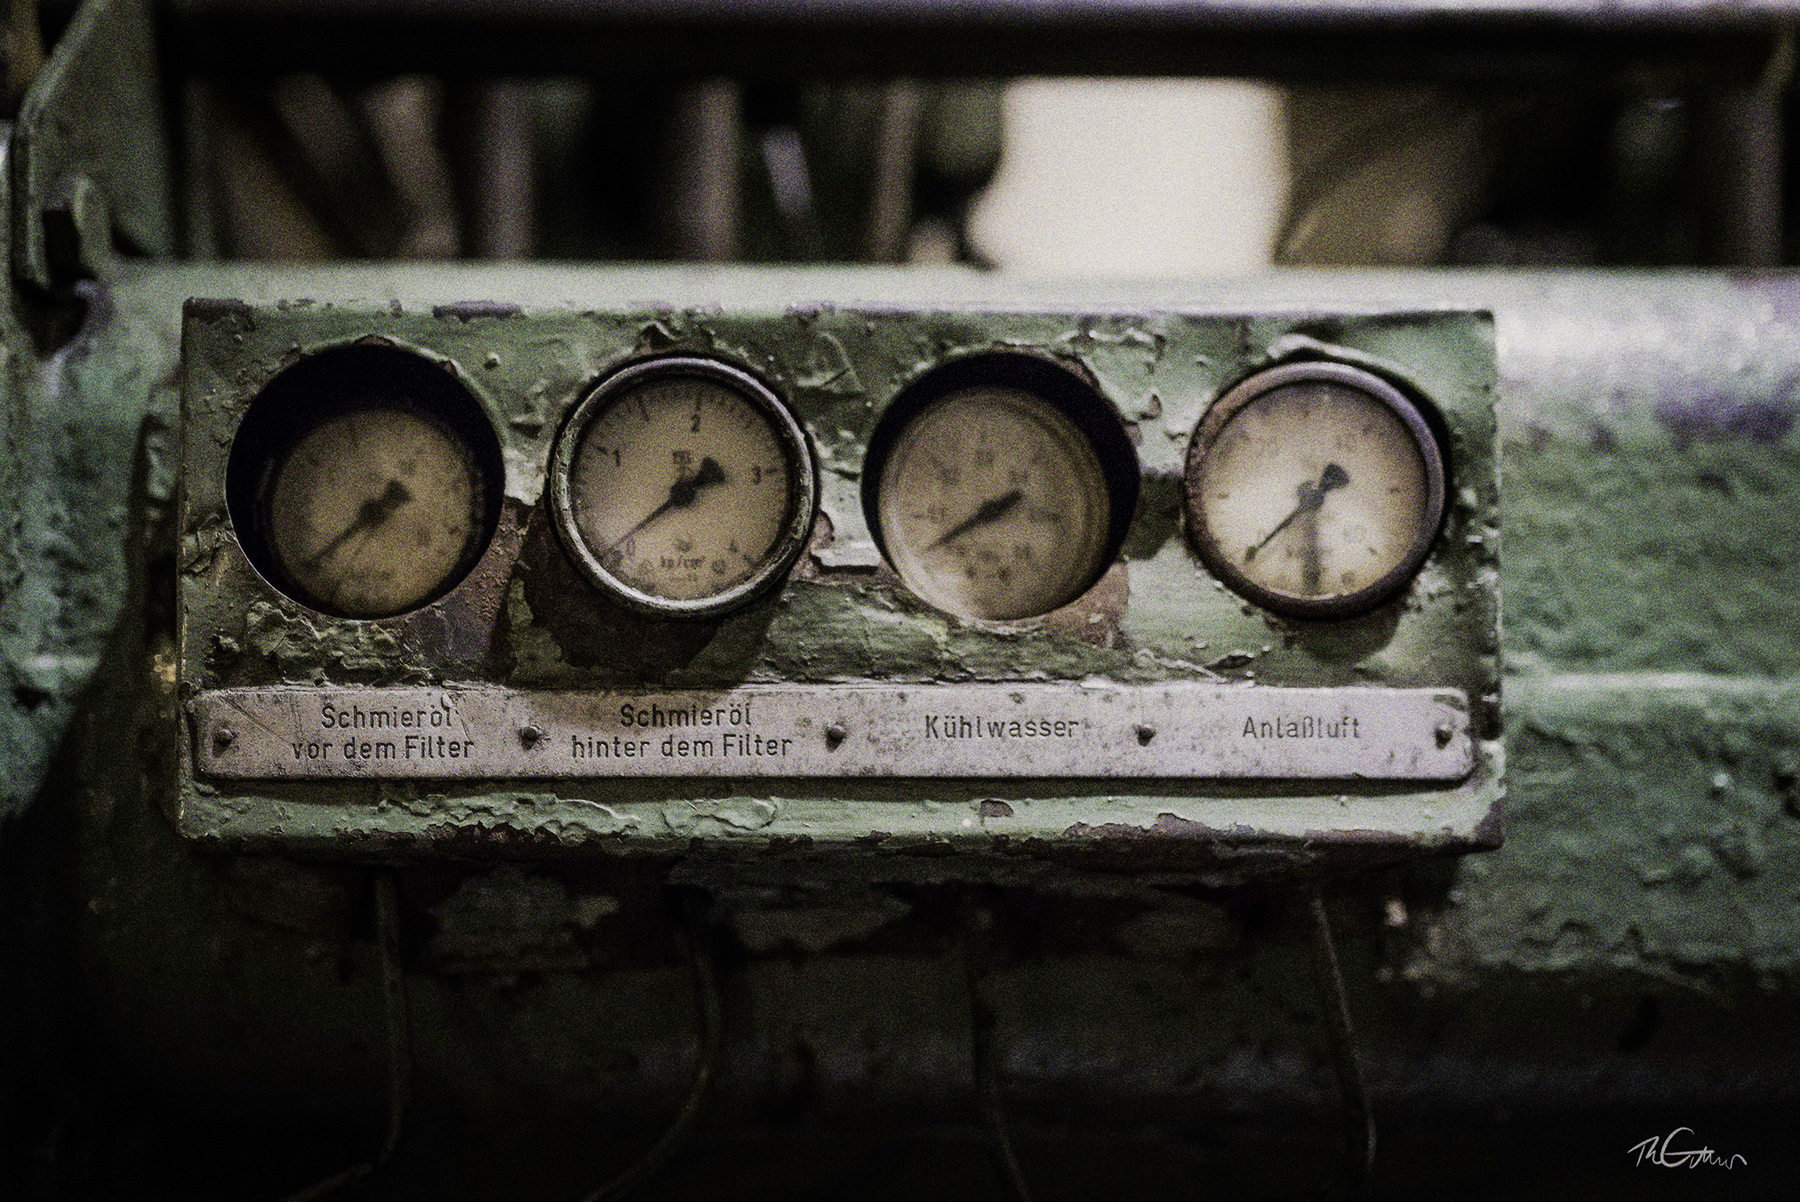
<point x="1293" y="40"/>
<point x="1739" y="177"/>
<point x="709" y="118"/>
<point x="897" y="145"/>
<point x="504" y="200"/>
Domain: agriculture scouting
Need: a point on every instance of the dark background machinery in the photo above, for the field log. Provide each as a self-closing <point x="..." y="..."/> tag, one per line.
<point x="182" y="1023"/>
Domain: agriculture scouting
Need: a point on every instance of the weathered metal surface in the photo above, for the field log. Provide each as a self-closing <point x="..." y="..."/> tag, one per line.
<point x="199" y="1025"/>
<point x="1007" y="732"/>
<point x="1625" y="964"/>
<point x="836" y="626"/>
<point x="74" y="162"/>
<point x="1663" y="830"/>
<point x="1631" y="404"/>
<point x="72" y="175"/>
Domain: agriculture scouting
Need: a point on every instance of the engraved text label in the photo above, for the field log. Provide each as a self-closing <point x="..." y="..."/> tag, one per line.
<point x="1181" y="731"/>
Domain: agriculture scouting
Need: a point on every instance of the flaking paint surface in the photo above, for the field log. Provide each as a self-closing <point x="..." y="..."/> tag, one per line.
<point x="1638" y="546"/>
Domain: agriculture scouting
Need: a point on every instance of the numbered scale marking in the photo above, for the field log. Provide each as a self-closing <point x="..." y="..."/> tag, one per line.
<point x="1315" y="490"/>
<point x="364" y="481"/>
<point x="372" y="511"/>
<point x="682" y="487"/>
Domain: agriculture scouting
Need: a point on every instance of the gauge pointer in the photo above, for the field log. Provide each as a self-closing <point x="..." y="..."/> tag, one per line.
<point x="682" y="493"/>
<point x="373" y="513"/>
<point x="1311" y="497"/>
<point x="991" y="511"/>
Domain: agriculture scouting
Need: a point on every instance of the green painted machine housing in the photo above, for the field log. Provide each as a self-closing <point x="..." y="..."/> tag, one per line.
<point x="522" y="620"/>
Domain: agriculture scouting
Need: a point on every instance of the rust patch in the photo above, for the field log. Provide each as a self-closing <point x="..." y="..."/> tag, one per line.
<point x="1490" y="832"/>
<point x="810" y="567"/>
<point x="1166" y="826"/>
<point x="1175" y="826"/>
<point x="1093" y="617"/>
<point x="499" y="841"/>
<point x="1714" y="418"/>
<point x="659" y="335"/>
<point x="462" y="628"/>
<point x="467" y="311"/>
<point x="1359" y="836"/>
<point x="592" y="631"/>
<point x="215" y="310"/>
<point x="1034" y="847"/>
<point x="1232" y="661"/>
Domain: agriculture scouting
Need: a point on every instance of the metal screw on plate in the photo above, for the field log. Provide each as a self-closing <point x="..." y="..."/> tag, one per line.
<point x="834" y="735"/>
<point x="223" y="738"/>
<point x="529" y="737"/>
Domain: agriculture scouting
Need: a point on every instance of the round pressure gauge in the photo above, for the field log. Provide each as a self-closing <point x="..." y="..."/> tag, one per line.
<point x="364" y="481"/>
<point x="1001" y="488"/>
<point x="682" y="487"/>
<point x="1314" y="490"/>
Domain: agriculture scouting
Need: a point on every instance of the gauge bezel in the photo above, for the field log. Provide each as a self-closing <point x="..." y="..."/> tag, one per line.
<point x="331" y="382"/>
<point x="796" y="448"/>
<point x="1426" y="443"/>
<point x="1057" y="385"/>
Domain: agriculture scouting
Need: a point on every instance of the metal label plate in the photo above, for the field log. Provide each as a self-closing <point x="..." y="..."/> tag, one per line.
<point x="1180" y="731"/>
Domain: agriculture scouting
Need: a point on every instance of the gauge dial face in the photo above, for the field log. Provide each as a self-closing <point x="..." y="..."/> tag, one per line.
<point x="993" y="504"/>
<point x="373" y="512"/>
<point x="1315" y="490"/>
<point x="683" y="487"/>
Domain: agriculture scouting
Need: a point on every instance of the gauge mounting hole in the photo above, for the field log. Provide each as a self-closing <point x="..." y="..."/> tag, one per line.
<point x="364" y="481"/>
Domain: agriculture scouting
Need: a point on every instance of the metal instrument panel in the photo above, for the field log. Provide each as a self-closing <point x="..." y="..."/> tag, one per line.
<point x="1158" y="718"/>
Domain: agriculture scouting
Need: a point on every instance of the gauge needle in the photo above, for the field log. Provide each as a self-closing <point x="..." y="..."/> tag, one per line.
<point x="1311" y="497"/>
<point x="991" y="511"/>
<point x="373" y="513"/>
<point x="682" y="493"/>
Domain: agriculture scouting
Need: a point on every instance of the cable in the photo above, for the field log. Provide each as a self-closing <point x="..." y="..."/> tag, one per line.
<point x="1359" y="1119"/>
<point x="712" y="1028"/>
<point x="984" y="1053"/>
<point x="399" y="1039"/>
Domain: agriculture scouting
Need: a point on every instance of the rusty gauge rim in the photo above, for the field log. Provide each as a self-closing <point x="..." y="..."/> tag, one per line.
<point x="682" y="487"/>
<point x="364" y="481"/>
<point x="1315" y="490"/>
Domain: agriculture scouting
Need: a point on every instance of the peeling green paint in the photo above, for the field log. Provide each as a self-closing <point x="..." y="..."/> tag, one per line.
<point x="1583" y="575"/>
<point x="1650" y="865"/>
<point x="1154" y="618"/>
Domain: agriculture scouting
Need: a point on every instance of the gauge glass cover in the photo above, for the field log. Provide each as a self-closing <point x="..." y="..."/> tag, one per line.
<point x="683" y="487"/>
<point x="1315" y="490"/>
<point x="993" y="505"/>
<point x="372" y="511"/>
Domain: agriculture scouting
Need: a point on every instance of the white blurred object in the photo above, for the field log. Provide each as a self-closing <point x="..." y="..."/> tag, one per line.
<point x="1151" y="177"/>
